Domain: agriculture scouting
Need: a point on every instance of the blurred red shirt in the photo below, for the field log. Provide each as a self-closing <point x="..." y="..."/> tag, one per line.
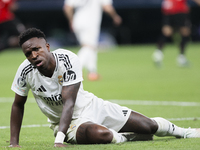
<point x="171" y="7"/>
<point x="5" y="13"/>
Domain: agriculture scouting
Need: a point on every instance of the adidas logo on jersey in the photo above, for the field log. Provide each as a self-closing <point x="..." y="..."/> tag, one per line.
<point x="125" y="112"/>
<point x="41" y="89"/>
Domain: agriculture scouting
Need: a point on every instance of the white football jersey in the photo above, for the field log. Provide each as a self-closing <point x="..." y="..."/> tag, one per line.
<point x="47" y="91"/>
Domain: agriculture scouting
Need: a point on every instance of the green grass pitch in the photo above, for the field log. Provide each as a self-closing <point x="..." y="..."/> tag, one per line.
<point x="127" y="74"/>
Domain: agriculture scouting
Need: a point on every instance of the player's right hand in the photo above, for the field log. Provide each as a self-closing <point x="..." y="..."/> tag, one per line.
<point x="60" y="145"/>
<point x="14" y="145"/>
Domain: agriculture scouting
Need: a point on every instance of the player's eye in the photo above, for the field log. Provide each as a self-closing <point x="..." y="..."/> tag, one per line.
<point x="35" y="49"/>
<point x="28" y="54"/>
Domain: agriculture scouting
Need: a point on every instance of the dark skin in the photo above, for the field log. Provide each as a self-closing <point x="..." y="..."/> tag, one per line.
<point x="38" y="53"/>
<point x="16" y="119"/>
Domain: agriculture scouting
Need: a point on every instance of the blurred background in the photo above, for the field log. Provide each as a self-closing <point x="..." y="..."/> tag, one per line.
<point x="141" y="21"/>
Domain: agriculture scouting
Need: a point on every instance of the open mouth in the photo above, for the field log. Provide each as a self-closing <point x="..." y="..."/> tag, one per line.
<point x="38" y="63"/>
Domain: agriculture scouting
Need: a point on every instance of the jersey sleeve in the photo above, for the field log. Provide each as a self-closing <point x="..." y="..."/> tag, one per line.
<point x="20" y="85"/>
<point x="106" y="2"/>
<point x="74" y="72"/>
<point x="70" y="2"/>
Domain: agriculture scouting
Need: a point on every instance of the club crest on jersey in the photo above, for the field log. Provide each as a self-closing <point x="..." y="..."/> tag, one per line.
<point x="21" y="82"/>
<point x="69" y="76"/>
<point x="60" y="80"/>
<point x="73" y="126"/>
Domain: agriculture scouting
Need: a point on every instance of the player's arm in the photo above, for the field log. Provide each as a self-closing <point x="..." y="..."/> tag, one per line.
<point x="197" y="1"/>
<point x="69" y="94"/>
<point x="16" y="119"/>
<point x="13" y="6"/>
<point x="110" y="10"/>
<point x="69" y="12"/>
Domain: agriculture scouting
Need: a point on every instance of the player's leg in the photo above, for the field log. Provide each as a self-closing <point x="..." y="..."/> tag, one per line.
<point x="161" y="127"/>
<point x="184" y="29"/>
<point x="167" y="31"/>
<point x="106" y="126"/>
<point x="88" y="53"/>
<point x="158" y="126"/>
<point x="91" y="133"/>
<point x="158" y="53"/>
<point x="139" y="123"/>
<point x="85" y="54"/>
<point x="105" y="121"/>
<point x="185" y="37"/>
<point x="88" y="59"/>
<point x="166" y="128"/>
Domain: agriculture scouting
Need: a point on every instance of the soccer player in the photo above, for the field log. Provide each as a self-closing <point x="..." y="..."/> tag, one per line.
<point x="84" y="18"/>
<point x="175" y="17"/>
<point x="76" y="116"/>
<point x="10" y="26"/>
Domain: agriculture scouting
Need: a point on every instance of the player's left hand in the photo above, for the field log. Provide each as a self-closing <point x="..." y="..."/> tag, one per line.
<point x="117" y="20"/>
<point x="60" y="145"/>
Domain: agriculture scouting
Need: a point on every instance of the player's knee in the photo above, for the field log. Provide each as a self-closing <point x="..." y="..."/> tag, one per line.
<point x="99" y="135"/>
<point x="153" y="127"/>
<point x="167" y="31"/>
<point x="149" y="127"/>
<point x="185" y="31"/>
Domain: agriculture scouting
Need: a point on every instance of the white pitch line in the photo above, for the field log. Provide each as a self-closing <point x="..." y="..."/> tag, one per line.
<point x="123" y="102"/>
<point x="46" y="125"/>
<point x="161" y="103"/>
<point x="27" y="126"/>
<point x="11" y="99"/>
<point x="184" y="119"/>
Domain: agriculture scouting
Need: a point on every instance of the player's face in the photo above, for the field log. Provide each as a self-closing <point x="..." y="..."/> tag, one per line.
<point x="37" y="51"/>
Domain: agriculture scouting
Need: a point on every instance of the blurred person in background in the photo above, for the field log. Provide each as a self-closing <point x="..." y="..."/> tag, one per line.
<point x="10" y="26"/>
<point x="175" y="17"/>
<point x="84" y="18"/>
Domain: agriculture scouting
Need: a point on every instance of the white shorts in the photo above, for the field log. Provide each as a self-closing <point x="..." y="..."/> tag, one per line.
<point x="107" y="114"/>
<point x="88" y="36"/>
